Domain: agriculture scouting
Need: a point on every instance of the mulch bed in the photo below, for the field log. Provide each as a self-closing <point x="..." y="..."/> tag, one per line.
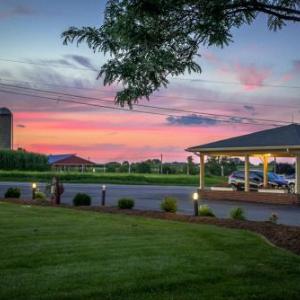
<point x="287" y="237"/>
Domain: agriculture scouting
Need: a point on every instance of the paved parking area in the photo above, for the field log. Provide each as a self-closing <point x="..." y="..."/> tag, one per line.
<point x="149" y="197"/>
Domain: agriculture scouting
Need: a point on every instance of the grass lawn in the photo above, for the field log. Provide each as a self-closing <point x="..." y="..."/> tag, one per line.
<point x="117" y="178"/>
<point x="57" y="253"/>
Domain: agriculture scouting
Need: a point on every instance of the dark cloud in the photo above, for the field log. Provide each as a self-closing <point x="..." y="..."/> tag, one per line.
<point x="191" y="120"/>
<point x="18" y="10"/>
<point x="241" y="120"/>
<point x="21" y="126"/>
<point x="250" y="109"/>
<point x="82" y="61"/>
<point x="62" y="61"/>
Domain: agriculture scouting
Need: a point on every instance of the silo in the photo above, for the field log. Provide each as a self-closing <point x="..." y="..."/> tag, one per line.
<point x="6" y="128"/>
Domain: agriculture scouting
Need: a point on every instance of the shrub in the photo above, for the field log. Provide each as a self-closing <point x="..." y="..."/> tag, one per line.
<point x="169" y="204"/>
<point x="205" y="211"/>
<point x="273" y="218"/>
<point x="13" y="193"/>
<point x="126" y="203"/>
<point x="82" y="199"/>
<point x="40" y="196"/>
<point x="237" y="213"/>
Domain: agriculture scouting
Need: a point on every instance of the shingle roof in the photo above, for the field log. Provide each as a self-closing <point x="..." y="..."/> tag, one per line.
<point x="276" y="137"/>
<point x="68" y="159"/>
<point x="55" y="158"/>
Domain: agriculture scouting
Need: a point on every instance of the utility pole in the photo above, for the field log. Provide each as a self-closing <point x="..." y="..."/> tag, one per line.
<point x="129" y="167"/>
<point x="161" y="164"/>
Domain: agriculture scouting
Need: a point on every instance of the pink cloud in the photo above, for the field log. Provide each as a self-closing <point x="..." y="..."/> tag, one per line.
<point x="211" y="57"/>
<point x="293" y="72"/>
<point x="250" y="76"/>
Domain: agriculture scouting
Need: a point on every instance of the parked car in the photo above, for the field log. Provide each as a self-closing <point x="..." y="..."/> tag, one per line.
<point x="237" y="180"/>
<point x="291" y="183"/>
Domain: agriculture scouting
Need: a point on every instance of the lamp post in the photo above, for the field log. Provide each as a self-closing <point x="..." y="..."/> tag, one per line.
<point x="103" y="195"/>
<point x="195" y="200"/>
<point x="34" y="187"/>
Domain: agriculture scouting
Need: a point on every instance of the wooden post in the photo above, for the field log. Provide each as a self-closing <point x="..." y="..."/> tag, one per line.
<point x="247" y="181"/>
<point x="266" y="180"/>
<point x="297" y="178"/>
<point x="202" y="172"/>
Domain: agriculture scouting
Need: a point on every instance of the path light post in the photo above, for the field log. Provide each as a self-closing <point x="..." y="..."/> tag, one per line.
<point x="34" y="187"/>
<point x="195" y="200"/>
<point x="103" y="194"/>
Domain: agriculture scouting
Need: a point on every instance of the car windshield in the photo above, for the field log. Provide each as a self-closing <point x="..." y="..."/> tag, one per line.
<point x="273" y="176"/>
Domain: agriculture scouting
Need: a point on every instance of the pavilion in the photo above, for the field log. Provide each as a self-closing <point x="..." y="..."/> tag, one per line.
<point x="276" y="142"/>
<point x="68" y="162"/>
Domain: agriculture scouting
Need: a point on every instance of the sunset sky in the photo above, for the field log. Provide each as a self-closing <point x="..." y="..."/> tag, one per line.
<point x="257" y="76"/>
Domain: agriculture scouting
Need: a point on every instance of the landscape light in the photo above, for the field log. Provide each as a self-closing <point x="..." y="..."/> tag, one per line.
<point x="195" y="196"/>
<point x="103" y="195"/>
<point x="195" y="200"/>
<point x="34" y="187"/>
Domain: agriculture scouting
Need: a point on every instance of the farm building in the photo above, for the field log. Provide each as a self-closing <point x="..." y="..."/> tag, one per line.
<point x="69" y="162"/>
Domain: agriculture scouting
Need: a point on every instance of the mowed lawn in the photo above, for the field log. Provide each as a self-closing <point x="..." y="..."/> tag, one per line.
<point x="117" y="178"/>
<point x="57" y="253"/>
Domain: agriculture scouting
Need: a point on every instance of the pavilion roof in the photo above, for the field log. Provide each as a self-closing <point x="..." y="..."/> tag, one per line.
<point x="285" y="137"/>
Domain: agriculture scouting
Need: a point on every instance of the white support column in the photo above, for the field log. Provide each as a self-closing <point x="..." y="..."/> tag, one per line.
<point x="297" y="177"/>
<point x="247" y="179"/>
<point x="266" y="180"/>
<point x="202" y="172"/>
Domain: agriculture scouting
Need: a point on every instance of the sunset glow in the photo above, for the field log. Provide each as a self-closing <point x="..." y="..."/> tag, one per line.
<point x="237" y="81"/>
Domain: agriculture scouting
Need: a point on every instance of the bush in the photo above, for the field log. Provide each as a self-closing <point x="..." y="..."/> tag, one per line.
<point x="237" y="213"/>
<point x="273" y="218"/>
<point x="82" y="199"/>
<point x="40" y="196"/>
<point x="205" y="211"/>
<point x="169" y="204"/>
<point x="126" y="203"/>
<point x="13" y="193"/>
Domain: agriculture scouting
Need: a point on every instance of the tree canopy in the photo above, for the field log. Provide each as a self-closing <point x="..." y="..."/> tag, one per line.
<point x="150" y="40"/>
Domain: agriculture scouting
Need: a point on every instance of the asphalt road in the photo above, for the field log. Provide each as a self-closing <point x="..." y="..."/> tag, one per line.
<point x="149" y="197"/>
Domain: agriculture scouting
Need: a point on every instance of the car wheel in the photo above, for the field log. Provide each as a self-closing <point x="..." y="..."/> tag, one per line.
<point x="292" y="188"/>
<point x="234" y="187"/>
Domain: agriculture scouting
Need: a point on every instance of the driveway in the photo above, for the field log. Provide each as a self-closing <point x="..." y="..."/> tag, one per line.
<point x="149" y="197"/>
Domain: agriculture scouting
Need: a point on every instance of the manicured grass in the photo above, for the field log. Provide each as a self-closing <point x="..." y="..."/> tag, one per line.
<point x="56" y="253"/>
<point x="117" y="178"/>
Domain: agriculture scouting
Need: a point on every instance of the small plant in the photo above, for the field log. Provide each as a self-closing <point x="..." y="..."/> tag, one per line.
<point x="205" y="211"/>
<point x="82" y="199"/>
<point x="40" y="196"/>
<point x="273" y="218"/>
<point x="126" y="203"/>
<point x="13" y="193"/>
<point x="237" y="213"/>
<point x="169" y="204"/>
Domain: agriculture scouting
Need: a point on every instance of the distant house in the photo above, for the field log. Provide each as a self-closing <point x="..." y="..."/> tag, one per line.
<point x="69" y="162"/>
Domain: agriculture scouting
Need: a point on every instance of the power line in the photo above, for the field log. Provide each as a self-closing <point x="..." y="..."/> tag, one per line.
<point x="156" y="96"/>
<point x="46" y="65"/>
<point x="239" y="83"/>
<point x="183" y="79"/>
<point x="146" y="106"/>
<point x="122" y="109"/>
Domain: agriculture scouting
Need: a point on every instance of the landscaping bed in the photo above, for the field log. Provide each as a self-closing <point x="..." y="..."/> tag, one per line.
<point x="287" y="237"/>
